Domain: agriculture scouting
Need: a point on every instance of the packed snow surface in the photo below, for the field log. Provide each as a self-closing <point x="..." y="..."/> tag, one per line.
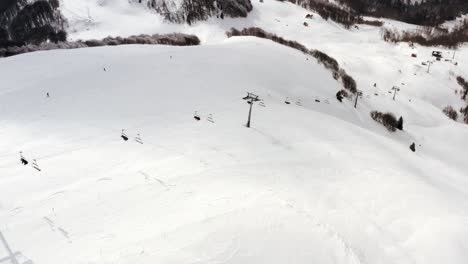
<point x="313" y="181"/>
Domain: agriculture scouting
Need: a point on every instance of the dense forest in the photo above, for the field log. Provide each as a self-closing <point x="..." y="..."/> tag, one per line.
<point x="26" y="22"/>
<point x="425" y="12"/>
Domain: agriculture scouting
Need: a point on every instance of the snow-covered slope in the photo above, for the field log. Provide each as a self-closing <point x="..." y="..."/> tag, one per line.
<point x="318" y="182"/>
<point x="313" y="183"/>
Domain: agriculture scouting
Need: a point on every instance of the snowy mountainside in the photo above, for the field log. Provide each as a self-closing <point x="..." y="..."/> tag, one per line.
<point x="178" y="11"/>
<point x="313" y="181"/>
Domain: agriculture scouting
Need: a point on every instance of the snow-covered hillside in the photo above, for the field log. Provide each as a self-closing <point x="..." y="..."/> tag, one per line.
<point x="314" y="181"/>
<point x="318" y="182"/>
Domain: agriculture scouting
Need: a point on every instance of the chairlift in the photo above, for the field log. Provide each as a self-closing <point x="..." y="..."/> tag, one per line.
<point x="210" y="118"/>
<point x="35" y="166"/>
<point x="196" y="116"/>
<point x="138" y="139"/>
<point x="262" y="104"/>
<point x="287" y="101"/>
<point x="123" y="135"/>
<point x="23" y="159"/>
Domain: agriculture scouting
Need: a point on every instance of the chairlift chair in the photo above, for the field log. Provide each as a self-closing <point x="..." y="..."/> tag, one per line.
<point x="196" y="116"/>
<point x="23" y="159"/>
<point x="287" y="101"/>
<point x="123" y="135"/>
<point x="35" y="166"/>
<point x="210" y="118"/>
<point x="138" y="139"/>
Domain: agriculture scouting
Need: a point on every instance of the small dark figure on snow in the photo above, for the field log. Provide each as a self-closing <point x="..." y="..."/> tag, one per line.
<point x="104" y="69"/>
<point x="23" y="160"/>
<point x="48" y="95"/>
<point x="375" y="85"/>
<point x="221" y="16"/>
<point x="124" y="136"/>
<point x="413" y="147"/>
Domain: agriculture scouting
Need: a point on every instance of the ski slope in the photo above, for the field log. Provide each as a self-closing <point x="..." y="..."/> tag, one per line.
<point x="361" y="52"/>
<point x="314" y="182"/>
